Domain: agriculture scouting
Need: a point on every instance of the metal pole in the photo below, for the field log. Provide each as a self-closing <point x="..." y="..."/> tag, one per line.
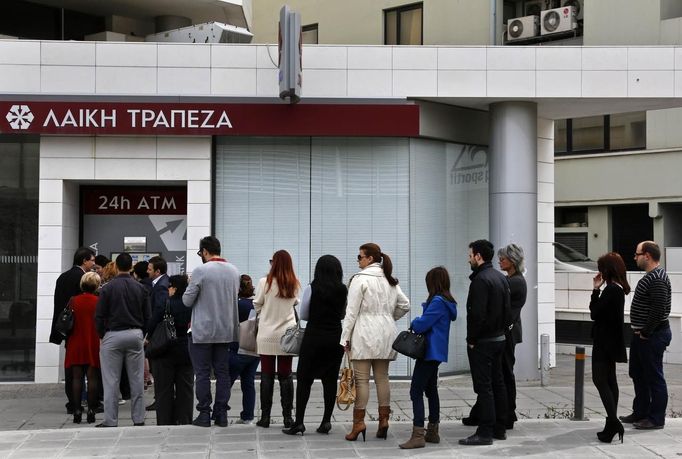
<point x="544" y="360"/>
<point x="579" y="384"/>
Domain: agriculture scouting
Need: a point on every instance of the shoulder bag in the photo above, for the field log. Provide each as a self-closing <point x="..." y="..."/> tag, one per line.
<point x="64" y="324"/>
<point x="346" y="395"/>
<point x="293" y="337"/>
<point x="163" y="337"/>
<point x="410" y="344"/>
<point x="248" y="330"/>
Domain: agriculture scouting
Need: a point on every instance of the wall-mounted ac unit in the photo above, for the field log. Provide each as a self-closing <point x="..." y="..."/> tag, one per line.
<point x="524" y="27"/>
<point x="558" y="20"/>
<point x="578" y="7"/>
<point x="534" y="7"/>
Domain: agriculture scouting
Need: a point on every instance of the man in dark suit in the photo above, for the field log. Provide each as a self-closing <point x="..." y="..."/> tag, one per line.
<point x="157" y="269"/>
<point x="68" y="285"/>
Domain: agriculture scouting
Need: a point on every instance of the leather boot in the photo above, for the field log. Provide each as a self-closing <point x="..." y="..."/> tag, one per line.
<point x="384" y="413"/>
<point x="416" y="440"/>
<point x="431" y="435"/>
<point x="286" y="391"/>
<point x="359" y="426"/>
<point x="267" y="385"/>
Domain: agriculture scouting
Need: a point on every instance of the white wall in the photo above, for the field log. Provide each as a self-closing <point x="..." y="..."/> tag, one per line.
<point x="67" y="161"/>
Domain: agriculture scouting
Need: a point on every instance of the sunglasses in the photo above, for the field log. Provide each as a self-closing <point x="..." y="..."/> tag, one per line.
<point x="360" y="257"/>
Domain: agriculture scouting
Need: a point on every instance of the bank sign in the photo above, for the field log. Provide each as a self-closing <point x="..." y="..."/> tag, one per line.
<point x="83" y="118"/>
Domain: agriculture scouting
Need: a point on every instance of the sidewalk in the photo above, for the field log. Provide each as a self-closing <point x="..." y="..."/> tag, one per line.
<point x="33" y="423"/>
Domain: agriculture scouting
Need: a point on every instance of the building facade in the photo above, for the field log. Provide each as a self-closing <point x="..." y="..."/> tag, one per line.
<point x="418" y="148"/>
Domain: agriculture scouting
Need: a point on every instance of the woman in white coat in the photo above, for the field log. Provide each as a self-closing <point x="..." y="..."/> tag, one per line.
<point x="375" y="302"/>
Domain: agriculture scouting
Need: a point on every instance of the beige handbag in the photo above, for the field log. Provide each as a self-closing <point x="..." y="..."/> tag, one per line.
<point x="247" y="334"/>
<point x="346" y="395"/>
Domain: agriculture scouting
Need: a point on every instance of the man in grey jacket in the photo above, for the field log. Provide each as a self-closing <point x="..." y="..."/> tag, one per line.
<point x="212" y="295"/>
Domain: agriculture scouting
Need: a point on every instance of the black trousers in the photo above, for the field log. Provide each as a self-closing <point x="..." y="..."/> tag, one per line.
<point x="508" y="361"/>
<point x="604" y="379"/>
<point x="174" y="386"/>
<point x="485" y="361"/>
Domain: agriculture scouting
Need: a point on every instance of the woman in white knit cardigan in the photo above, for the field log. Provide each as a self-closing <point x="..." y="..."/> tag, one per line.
<point x="375" y="302"/>
<point x="276" y="296"/>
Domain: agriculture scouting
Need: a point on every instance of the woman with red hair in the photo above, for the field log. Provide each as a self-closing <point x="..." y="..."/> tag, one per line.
<point x="276" y="296"/>
<point x="606" y="310"/>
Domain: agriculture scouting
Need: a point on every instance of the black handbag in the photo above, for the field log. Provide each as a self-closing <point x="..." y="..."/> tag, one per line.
<point x="64" y="324"/>
<point x="410" y="344"/>
<point x="163" y="337"/>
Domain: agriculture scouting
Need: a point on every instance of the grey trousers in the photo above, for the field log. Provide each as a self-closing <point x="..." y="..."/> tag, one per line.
<point x="120" y="348"/>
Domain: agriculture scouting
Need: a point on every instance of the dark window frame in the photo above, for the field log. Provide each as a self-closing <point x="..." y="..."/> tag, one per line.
<point x="402" y="9"/>
<point x="606" y="140"/>
<point x="310" y="28"/>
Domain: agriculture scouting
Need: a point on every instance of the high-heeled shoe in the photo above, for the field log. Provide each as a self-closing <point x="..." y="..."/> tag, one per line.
<point x="613" y="427"/>
<point x="78" y="416"/>
<point x="325" y="427"/>
<point x="295" y="429"/>
<point x="384" y="414"/>
<point x="359" y="426"/>
<point x="91" y="416"/>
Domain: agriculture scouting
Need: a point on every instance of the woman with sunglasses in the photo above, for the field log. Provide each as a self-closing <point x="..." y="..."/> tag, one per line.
<point x="375" y="302"/>
<point x="276" y="296"/>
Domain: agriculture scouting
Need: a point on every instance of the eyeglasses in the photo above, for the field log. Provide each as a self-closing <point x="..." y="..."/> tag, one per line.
<point x="270" y="261"/>
<point x="360" y="257"/>
<point x="639" y="254"/>
<point x="199" y="252"/>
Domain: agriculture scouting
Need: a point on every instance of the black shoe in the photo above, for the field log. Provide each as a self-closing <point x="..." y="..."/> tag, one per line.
<point x="264" y="421"/>
<point x="78" y="416"/>
<point x="69" y="409"/>
<point x="612" y="427"/>
<point x="138" y="424"/>
<point x="151" y="407"/>
<point x="646" y="424"/>
<point x="469" y="421"/>
<point x="325" y="427"/>
<point x="101" y="424"/>
<point x="203" y="420"/>
<point x="476" y="440"/>
<point x="629" y="419"/>
<point x="220" y="419"/>
<point x="500" y="435"/>
<point x="91" y="416"/>
<point x="99" y="408"/>
<point x="293" y="430"/>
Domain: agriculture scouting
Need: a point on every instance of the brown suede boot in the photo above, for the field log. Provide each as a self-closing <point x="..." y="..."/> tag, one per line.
<point x="359" y="426"/>
<point x="384" y="413"/>
<point x="431" y="435"/>
<point x="416" y="440"/>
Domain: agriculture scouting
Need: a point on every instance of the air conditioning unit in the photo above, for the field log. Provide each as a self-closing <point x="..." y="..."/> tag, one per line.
<point x="534" y="7"/>
<point x="524" y="27"/>
<point x="558" y="20"/>
<point x="578" y="7"/>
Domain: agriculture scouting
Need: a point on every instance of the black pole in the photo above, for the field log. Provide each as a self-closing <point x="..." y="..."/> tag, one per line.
<point x="579" y="400"/>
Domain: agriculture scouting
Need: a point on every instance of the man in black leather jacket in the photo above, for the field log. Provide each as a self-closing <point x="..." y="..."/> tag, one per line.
<point x="488" y="317"/>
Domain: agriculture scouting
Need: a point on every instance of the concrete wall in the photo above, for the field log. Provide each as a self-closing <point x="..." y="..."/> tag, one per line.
<point x="65" y="162"/>
<point x="461" y="22"/>
<point x="622" y="22"/>
<point x="663" y="128"/>
<point x="619" y="178"/>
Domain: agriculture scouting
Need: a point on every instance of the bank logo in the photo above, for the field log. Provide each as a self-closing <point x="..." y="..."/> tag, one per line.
<point x="19" y="117"/>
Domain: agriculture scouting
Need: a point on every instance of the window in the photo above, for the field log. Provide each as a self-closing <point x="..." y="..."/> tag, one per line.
<point x="403" y="25"/>
<point x="598" y="134"/>
<point x="309" y="34"/>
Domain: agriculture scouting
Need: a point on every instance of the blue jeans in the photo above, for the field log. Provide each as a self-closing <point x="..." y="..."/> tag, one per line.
<point x="485" y="361"/>
<point x="425" y="381"/>
<point x="244" y="367"/>
<point x="204" y="357"/>
<point x="646" y="371"/>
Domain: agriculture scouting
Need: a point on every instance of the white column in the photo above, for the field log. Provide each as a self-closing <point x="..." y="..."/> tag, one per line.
<point x="514" y="208"/>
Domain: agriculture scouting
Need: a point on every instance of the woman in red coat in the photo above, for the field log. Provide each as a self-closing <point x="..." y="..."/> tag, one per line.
<point x="82" y="346"/>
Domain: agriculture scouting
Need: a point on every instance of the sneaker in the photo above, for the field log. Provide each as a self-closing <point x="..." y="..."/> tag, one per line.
<point x="244" y="421"/>
<point x="121" y="402"/>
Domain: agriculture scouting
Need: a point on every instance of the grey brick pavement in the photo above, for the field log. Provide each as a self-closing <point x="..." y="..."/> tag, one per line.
<point x="33" y="424"/>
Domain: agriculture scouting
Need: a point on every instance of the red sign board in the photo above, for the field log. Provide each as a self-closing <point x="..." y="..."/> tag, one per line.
<point x="128" y="118"/>
<point x="108" y="200"/>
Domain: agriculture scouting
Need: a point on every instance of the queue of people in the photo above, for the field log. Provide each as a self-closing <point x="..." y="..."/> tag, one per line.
<point x="113" y="312"/>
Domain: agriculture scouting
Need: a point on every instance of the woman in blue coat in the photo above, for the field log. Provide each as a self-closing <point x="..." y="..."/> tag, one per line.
<point x="440" y="309"/>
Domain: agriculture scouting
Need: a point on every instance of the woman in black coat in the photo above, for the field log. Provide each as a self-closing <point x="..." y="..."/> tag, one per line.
<point x="321" y="354"/>
<point x="606" y="310"/>
<point x="173" y="374"/>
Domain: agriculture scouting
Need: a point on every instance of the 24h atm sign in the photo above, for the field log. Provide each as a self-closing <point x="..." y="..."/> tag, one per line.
<point x="101" y="118"/>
